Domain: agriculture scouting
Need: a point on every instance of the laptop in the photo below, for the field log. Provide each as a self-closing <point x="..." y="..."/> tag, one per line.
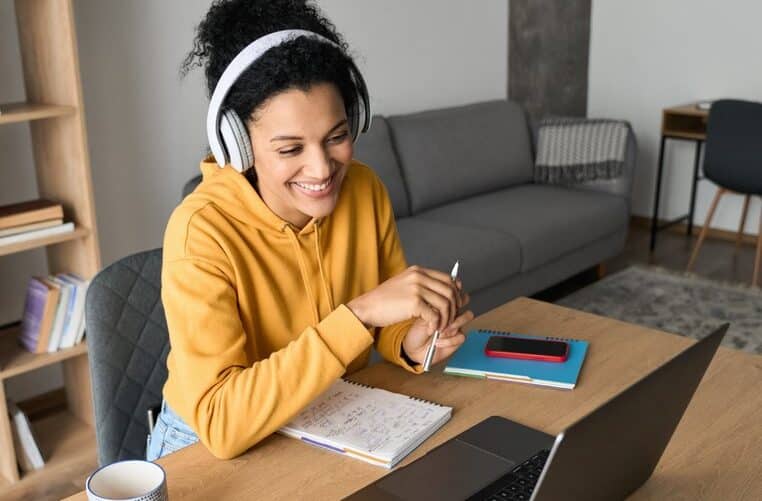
<point x="605" y="455"/>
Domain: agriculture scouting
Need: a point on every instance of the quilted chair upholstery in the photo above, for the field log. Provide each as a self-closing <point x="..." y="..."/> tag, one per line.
<point x="128" y="345"/>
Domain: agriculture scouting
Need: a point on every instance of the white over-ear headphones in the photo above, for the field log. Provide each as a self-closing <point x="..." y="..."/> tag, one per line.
<point x="227" y="134"/>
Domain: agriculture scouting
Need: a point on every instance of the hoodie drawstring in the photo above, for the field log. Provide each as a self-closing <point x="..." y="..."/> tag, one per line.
<point x="319" y="253"/>
<point x="303" y="271"/>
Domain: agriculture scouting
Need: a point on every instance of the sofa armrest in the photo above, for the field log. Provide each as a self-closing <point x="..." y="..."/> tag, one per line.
<point x="622" y="185"/>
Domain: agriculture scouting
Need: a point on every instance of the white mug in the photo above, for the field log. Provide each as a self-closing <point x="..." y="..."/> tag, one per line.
<point x="132" y="480"/>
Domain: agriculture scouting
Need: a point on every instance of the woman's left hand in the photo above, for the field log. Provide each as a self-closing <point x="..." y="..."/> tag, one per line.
<point x="418" y="338"/>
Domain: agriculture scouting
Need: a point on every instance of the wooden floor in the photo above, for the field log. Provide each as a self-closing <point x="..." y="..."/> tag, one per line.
<point x="718" y="260"/>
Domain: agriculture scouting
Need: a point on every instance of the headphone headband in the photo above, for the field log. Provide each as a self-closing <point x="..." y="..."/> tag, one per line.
<point x="242" y="62"/>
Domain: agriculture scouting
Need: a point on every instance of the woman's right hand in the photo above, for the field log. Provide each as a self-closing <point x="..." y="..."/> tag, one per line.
<point x="417" y="292"/>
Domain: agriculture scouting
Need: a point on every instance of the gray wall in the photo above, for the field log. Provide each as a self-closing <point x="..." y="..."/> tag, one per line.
<point x="146" y="127"/>
<point x="648" y="55"/>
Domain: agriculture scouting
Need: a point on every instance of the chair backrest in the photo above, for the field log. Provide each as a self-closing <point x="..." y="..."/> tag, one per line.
<point x="733" y="156"/>
<point x="128" y="344"/>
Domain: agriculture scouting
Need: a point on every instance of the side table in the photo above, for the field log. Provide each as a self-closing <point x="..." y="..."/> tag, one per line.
<point x="686" y="123"/>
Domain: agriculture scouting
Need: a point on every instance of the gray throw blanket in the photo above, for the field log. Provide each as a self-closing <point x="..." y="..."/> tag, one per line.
<point x="574" y="150"/>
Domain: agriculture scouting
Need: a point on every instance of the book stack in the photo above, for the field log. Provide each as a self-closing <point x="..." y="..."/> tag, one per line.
<point x="31" y="219"/>
<point x="54" y="313"/>
<point x="28" y="453"/>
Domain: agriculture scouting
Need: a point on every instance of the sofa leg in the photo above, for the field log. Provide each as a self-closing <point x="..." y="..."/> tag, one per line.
<point x="600" y="270"/>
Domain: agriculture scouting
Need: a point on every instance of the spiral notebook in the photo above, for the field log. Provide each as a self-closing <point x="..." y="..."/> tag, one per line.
<point x="371" y="424"/>
<point x="470" y="360"/>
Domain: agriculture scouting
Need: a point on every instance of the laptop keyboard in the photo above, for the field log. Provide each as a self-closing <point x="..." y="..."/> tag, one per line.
<point x="517" y="484"/>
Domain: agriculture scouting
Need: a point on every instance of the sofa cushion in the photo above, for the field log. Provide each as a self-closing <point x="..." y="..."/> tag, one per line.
<point x="486" y="256"/>
<point x="453" y="153"/>
<point x="375" y="149"/>
<point x="548" y="221"/>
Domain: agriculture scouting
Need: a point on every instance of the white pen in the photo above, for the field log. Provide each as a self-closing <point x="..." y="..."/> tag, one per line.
<point x="433" y="346"/>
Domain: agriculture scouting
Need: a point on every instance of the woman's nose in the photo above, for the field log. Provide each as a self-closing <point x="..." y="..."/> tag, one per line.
<point x="318" y="166"/>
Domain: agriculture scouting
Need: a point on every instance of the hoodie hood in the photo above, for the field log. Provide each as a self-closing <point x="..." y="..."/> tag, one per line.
<point x="229" y="190"/>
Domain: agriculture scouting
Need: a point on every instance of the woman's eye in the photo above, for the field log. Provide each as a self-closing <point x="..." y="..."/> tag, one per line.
<point x="338" y="138"/>
<point x="290" y="151"/>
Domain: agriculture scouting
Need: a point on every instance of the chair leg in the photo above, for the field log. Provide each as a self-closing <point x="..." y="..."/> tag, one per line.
<point x="739" y="237"/>
<point x="759" y="253"/>
<point x="705" y="228"/>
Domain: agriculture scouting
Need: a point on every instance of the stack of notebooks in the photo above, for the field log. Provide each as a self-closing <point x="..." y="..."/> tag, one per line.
<point x="54" y="313"/>
<point x="28" y="453"/>
<point x="471" y="361"/>
<point x="29" y="220"/>
<point x="370" y="424"/>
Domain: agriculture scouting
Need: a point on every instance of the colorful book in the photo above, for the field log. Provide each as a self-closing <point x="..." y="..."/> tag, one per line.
<point x="34" y="310"/>
<point x="75" y="325"/>
<point x="31" y="211"/>
<point x="62" y="312"/>
<point x="370" y="424"/>
<point x="48" y="316"/>
<point x="470" y="360"/>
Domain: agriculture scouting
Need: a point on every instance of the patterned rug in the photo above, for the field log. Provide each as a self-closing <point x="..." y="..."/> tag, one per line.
<point x="678" y="303"/>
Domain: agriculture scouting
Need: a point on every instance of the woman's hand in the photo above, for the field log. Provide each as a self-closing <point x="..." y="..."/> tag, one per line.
<point x="418" y="338"/>
<point x="422" y="293"/>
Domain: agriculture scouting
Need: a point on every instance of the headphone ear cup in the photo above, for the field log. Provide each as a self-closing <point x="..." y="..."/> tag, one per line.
<point x="236" y="141"/>
<point x="360" y="116"/>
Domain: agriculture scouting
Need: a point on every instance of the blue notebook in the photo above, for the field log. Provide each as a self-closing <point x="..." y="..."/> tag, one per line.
<point x="471" y="361"/>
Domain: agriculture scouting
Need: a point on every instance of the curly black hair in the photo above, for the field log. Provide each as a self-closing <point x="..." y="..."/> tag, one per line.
<point x="231" y="25"/>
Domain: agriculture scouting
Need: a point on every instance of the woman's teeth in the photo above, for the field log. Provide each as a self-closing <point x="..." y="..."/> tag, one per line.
<point x="314" y="187"/>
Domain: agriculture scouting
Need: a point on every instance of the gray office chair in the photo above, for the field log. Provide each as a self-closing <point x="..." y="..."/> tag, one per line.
<point x="191" y="185"/>
<point x="128" y="344"/>
<point x="733" y="161"/>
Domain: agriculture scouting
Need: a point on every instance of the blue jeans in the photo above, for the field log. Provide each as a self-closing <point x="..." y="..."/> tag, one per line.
<point x="169" y="434"/>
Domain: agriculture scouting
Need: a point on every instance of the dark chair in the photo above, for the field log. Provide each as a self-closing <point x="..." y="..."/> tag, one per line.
<point x="733" y="161"/>
<point x="128" y="344"/>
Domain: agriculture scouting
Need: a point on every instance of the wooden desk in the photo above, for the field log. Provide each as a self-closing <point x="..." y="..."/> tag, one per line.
<point x="715" y="453"/>
<point x="687" y="123"/>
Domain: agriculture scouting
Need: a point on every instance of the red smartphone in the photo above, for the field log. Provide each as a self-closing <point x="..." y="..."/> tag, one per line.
<point x="527" y="349"/>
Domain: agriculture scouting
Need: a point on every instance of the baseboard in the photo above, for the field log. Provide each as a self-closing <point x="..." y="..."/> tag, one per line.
<point x="645" y="222"/>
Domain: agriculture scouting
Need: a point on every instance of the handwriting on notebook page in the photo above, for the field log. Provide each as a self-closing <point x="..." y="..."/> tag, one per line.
<point x="373" y="421"/>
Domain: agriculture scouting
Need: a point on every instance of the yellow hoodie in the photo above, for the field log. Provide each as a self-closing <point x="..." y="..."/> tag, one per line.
<point x="255" y="307"/>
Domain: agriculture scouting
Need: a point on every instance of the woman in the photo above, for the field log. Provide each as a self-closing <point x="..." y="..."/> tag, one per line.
<point x="278" y="281"/>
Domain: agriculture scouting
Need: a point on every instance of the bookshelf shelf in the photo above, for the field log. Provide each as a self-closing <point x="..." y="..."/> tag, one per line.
<point x="78" y="232"/>
<point x="65" y="441"/>
<point x="53" y="111"/>
<point x="15" y="360"/>
<point x="24" y="112"/>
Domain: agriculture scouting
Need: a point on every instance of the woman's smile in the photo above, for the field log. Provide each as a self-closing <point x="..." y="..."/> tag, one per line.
<point x="315" y="190"/>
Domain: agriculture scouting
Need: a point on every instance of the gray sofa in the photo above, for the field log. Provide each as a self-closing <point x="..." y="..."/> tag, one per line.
<point x="460" y="181"/>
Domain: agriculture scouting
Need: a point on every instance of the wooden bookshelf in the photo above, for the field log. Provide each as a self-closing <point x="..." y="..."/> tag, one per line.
<point x="77" y="233"/>
<point x="55" y="116"/>
<point x="15" y="360"/>
<point x="25" y="112"/>
<point x="66" y="443"/>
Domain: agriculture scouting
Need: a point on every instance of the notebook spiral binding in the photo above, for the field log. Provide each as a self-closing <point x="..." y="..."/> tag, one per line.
<point x="356" y="383"/>
<point x="363" y="385"/>
<point x="502" y="333"/>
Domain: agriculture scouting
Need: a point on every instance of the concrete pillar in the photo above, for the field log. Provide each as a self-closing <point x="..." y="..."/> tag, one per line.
<point x="548" y="49"/>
